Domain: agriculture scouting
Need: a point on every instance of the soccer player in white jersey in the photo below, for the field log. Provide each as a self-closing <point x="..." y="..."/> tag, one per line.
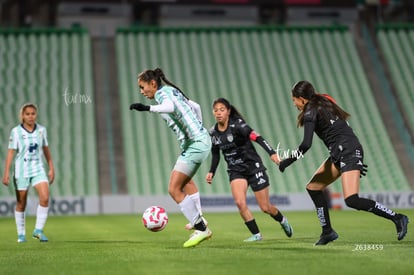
<point x="183" y="116"/>
<point x="29" y="141"/>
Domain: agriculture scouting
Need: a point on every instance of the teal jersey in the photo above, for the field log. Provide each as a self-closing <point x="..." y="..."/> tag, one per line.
<point x="184" y="121"/>
<point x="29" y="153"/>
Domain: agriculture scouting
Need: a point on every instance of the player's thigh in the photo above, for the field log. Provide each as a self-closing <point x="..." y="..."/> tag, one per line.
<point x="350" y="182"/>
<point x="239" y="189"/>
<point x="324" y="175"/>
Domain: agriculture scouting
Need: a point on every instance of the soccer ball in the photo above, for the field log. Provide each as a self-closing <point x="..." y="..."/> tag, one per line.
<point x="155" y="218"/>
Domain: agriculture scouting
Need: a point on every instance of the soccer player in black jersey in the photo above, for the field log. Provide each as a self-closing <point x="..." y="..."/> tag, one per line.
<point x="233" y="137"/>
<point x="320" y="114"/>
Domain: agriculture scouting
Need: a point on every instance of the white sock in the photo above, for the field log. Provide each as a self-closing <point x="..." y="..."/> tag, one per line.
<point x="196" y="198"/>
<point x="190" y="211"/>
<point x="41" y="217"/>
<point x="20" y="222"/>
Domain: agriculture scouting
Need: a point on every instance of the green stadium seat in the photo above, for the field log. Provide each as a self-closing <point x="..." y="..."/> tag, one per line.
<point x="255" y="69"/>
<point x="39" y="65"/>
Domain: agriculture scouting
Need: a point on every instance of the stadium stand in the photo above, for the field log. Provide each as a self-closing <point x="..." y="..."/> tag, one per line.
<point x="53" y="69"/>
<point x="396" y="42"/>
<point x="255" y="69"/>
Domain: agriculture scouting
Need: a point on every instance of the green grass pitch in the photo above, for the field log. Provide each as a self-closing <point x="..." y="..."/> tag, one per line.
<point x="119" y="244"/>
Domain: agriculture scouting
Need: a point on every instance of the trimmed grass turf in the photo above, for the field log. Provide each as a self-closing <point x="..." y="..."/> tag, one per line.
<point x="121" y="245"/>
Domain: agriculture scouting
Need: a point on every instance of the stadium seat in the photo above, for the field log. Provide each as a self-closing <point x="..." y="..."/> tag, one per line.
<point x="255" y="69"/>
<point x="39" y="65"/>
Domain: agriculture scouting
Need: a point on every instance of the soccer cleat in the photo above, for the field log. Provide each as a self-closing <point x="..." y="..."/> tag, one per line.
<point x="327" y="238"/>
<point x="286" y="227"/>
<point x="401" y="225"/>
<point x="188" y="226"/>
<point x="21" y="239"/>
<point x="197" y="237"/>
<point x="38" y="234"/>
<point x="254" y="238"/>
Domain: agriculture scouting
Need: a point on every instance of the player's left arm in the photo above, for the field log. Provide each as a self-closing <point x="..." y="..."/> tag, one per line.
<point x="256" y="137"/>
<point x="166" y="106"/>
<point x="48" y="156"/>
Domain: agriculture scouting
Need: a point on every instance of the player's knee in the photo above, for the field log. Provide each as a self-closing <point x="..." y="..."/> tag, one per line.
<point x="353" y="202"/>
<point x="267" y="208"/>
<point x="44" y="202"/>
<point x="174" y="193"/>
<point x="241" y="204"/>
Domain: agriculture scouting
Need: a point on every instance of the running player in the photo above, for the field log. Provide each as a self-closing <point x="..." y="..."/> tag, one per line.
<point x="320" y="114"/>
<point x="234" y="137"/>
<point x="184" y="117"/>
<point x="29" y="140"/>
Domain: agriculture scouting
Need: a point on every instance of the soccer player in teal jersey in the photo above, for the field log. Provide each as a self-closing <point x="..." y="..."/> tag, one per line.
<point x="29" y="140"/>
<point x="183" y="116"/>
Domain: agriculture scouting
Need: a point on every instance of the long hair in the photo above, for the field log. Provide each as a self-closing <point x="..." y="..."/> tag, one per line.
<point x="320" y="101"/>
<point x="234" y="113"/>
<point x="159" y="76"/>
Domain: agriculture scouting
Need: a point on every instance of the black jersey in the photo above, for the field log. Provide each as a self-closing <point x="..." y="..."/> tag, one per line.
<point x="330" y="128"/>
<point x="345" y="150"/>
<point x="237" y="148"/>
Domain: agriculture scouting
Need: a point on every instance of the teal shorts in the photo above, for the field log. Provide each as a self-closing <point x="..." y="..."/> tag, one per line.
<point x="191" y="158"/>
<point x="24" y="183"/>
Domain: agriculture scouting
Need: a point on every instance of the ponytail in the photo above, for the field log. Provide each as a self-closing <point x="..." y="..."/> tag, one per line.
<point x="161" y="75"/>
<point x="320" y="101"/>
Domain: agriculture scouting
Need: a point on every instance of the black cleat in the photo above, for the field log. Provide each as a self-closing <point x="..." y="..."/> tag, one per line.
<point x="401" y="225"/>
<point x="327" y="238"/>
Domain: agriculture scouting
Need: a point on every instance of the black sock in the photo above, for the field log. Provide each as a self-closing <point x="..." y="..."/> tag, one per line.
<point x="252" y="226"/>
<point x="278" y="217"/>
<point x="374" y="207"/>
<point x="322" y="209"/>
<point x="200" y="226"/>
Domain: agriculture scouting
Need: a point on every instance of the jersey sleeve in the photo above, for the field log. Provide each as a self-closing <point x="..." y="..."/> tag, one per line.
<point x="45" y="142"/>
<point x="13" y="140"/>
<point x="309" y="124"/>
<point x="166" y="106"/>
<point x="215" y="153"/>
<point x="197" y="109"/>
<point x="310" y="115"/>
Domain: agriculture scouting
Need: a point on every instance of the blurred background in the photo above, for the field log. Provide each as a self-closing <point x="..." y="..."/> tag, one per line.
<point x="79" y="60"/>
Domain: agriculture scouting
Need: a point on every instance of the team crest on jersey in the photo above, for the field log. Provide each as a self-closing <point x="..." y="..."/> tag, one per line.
<point x="230" y="138"/>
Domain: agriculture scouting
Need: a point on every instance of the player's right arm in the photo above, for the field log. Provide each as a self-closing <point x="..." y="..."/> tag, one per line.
<point x="9" y="159"/>
<point x="215" y="159"/>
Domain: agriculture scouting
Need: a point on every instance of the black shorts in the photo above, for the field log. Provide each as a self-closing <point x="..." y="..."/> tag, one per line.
<point x="347" y="156"/>
<point x="257" y="181"/>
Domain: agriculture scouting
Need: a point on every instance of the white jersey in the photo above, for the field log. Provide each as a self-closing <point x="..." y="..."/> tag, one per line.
<point x="183" y="117"/>
<point x="29" y="150"/>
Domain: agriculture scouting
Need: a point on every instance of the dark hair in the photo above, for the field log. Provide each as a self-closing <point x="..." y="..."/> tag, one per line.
<point x="305" y="89"/>
<point x="234" y="113"/>
<point x="158" y="76"/>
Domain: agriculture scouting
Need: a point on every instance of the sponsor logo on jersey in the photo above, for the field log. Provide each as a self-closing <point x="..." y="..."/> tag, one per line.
<point x="32" y="147"/>
<point x="216" y="140"/>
